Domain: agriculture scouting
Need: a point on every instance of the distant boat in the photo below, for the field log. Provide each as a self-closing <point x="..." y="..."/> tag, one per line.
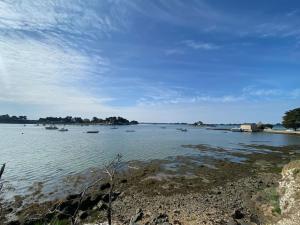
<point x="113" y="128"/>
<point x="236" y="129"/>
<point x="93" y="132"/>
<point x="182" y="129"/>
<point x="130" y="131"/>
<point x="63" y="129"/>
<point x="51" y="127"/>
<point x="163" y="127"/>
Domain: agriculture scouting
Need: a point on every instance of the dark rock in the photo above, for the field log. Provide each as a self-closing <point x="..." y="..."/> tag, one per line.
<point x="83" y="215"/>
<point x="161" y="219"/>
<point x="105" y="197"/>
<point x="62" y="216"/>
<point x="68" y="207"/>
<point x="31" y="221"/>
<point x="73" y="196"/>
<point x="14" y="222"/>
<point x="238" y="214"/>
<point x="123" y="181"/>
<point x="49" y="216"/>
<point x="9" y="210"/>
<point x="90" y="201"/>
<point x="104" y="186"/>
<point x="138" y="216"/>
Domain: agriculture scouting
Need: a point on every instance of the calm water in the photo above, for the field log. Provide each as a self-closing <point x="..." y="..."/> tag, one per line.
<point x="48" y="155"/>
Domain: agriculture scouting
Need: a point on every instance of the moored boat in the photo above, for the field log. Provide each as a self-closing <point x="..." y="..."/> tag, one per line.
<point x="63" y="129"/>
<point x="130" y="131"/>
<point x="236" y="129"/>
<point x="92" y="132"/>
<point x="51" y="127"/>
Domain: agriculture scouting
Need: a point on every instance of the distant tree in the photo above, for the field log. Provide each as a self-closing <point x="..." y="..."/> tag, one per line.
<point x="199" y="123"/>
<point x="134" y="122"/>
<point x="291" y="119"/>
<point x="86" y="120"/>
<point x="262" y="126"/>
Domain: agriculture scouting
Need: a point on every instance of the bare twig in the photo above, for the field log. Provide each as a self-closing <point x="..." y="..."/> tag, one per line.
<point x="1" y="173"/>
<point x="1" y="185"/>
<point x="74" y="216"/>
<point x="111" y="170"/>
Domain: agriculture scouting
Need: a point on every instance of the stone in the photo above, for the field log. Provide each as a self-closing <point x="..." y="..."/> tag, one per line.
<point x="138" y="216"/>
<point x="83" y="215"/>
<point x="238" y="214"/>
<point x="104" y="186"/>
<point x="73" y="196"/>
<point x="14" y="222"/>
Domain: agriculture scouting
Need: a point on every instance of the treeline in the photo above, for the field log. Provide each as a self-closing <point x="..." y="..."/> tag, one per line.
<point x="78" y="120"/>
<point x="67" y="120"/>
<point x="13" y="119"/>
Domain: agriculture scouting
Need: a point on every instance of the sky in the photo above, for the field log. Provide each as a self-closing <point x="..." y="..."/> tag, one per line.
<point x="216" y="61"/>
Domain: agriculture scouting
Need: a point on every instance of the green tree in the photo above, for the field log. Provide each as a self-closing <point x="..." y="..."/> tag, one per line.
<point x="291" y="119"/>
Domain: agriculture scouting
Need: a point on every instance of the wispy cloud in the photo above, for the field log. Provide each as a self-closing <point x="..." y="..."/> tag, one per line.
<point x="72" y="17"/>
<point x="36" y="73"/>
<point x="200" y="45"/>
<point x="174" y="51"/>
<point x="261" y="92"/>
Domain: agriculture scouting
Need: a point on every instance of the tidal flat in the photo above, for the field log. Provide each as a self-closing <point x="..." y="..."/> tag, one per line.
<point x="220" y="187"/>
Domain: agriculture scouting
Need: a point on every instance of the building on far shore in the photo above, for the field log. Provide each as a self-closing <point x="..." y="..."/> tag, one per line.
<point x="249" y="127"/>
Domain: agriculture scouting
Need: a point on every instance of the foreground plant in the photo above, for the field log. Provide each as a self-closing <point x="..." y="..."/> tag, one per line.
<point x="110" y="171"/>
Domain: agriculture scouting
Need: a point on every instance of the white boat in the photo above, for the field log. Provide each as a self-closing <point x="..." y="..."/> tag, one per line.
<point x="63" y="129"/>
<point x="236" y="129"/>
<point x="51" y="127"/>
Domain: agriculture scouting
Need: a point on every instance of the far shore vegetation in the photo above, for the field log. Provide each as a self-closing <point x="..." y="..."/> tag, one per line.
<point x="67" y="120"/>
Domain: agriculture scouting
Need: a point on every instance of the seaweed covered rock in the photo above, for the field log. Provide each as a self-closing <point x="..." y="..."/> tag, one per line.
<point x="289" y="191"/>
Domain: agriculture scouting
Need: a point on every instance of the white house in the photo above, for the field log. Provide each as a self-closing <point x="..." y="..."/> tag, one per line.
<point x="249" y="127"/>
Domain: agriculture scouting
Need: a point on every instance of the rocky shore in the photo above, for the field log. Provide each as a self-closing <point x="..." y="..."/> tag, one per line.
<point x="185" y="190"/>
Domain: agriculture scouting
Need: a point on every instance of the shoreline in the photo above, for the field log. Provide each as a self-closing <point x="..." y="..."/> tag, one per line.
<point x="186" y="190"/>
<point x="281" y="132"/>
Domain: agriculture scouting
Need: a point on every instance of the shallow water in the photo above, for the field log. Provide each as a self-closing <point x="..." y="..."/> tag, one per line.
<point x="34" y="154"/>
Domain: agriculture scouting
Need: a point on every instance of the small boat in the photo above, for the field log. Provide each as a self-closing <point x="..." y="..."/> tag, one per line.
<point x="113" y="128"/>
<point x="92" y="132"/>
<point x="236" y="129"/>
<point x="163" y="127"/>
<point x="182" y="129"/>
<point x="130" y="131"/>
<point x="63" y="129"/>
<point x="51" y="127"/>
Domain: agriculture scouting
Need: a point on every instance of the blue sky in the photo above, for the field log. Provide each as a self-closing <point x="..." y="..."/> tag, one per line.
<point x="159" y="61"/>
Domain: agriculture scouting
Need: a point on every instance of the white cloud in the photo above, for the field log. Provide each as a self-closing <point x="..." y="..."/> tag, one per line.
<point x="253" y="91"/>
<point x="33" y="73"/>
<point x="200" y="45"/>
<point x="73" y="17"/>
